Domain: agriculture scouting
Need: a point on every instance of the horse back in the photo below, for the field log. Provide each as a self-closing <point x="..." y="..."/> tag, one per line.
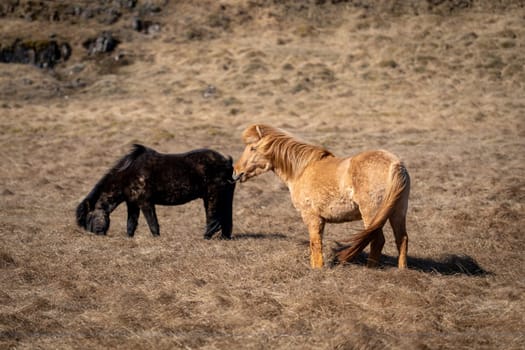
<point x="370" y="174"/>
<point x="179" y="178"/>
<point x="371" y="169"/>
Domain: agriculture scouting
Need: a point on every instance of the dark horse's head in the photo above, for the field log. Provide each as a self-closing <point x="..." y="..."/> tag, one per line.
<point x="93" y="212"/>
<point x="95" y="220"/>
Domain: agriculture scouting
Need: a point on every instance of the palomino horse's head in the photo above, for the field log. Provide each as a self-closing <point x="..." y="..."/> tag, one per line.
<point x="253" y="161"/>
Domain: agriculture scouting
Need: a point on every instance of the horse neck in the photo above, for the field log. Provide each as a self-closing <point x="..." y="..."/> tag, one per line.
<point x="106" y="194"/>
<point x="285" y="172"/>
<point x="285" y="177"/>
<point x="289" y="165"/>
<point x="109" y="203"/>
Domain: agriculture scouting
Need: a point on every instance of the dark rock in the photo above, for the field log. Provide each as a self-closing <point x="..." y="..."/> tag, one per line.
<point x="43" y="53"/>
<point x="130" y="4"/>
<point x="209" y="92"/>
<point x="77" y="83"/>
<point x="137" y="24"/>
<point x="144" y="26"/>
<point x="105" y="42"/>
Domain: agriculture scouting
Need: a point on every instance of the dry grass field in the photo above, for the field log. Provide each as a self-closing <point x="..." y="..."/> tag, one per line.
<point x="439" y="83"/>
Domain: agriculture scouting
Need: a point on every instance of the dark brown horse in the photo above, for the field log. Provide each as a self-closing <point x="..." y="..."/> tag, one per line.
<point x="144" y="178"/>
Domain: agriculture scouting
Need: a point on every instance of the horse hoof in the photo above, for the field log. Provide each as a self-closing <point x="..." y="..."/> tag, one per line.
<point x="334" y="262"/>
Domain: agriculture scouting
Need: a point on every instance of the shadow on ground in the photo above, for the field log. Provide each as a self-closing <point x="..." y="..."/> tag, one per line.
<point x="259" y="236"/>
<point x="448" y="264"/>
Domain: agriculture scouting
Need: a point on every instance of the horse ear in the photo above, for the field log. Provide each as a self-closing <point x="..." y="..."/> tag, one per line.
<point x="252" y="134"/>
<point x="259" y="132"/>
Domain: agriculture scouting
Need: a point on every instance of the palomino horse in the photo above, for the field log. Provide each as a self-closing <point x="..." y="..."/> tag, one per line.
<point x="372" y="186"/>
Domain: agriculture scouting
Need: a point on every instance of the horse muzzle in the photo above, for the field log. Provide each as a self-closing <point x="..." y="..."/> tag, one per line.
<point x="237" y="177"/>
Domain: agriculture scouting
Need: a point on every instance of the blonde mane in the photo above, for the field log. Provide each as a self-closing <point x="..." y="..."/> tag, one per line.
<point x="286" y="153"/>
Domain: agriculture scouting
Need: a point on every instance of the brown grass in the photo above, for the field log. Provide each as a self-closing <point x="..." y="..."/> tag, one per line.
<point x="444" y="89"/>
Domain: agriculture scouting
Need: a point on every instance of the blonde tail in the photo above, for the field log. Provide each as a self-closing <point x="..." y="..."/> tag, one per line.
<point x="397" y="183"/>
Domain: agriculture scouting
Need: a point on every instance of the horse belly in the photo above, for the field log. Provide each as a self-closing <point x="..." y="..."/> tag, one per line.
<point x="176" y="195"/>
<point x="341" y="210"/>
<point x="175" y="188"/>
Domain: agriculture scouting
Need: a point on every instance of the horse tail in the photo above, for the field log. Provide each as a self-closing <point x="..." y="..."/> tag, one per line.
<point x="397" y="184"/>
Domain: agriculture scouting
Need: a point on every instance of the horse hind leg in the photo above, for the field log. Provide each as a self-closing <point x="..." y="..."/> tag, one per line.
<point x="376" y="246"/>
<point x="151" y="218"/>
<point x="227" y="212"/>
<point x="213" y="224"/>
<point x="218" y="207"/>
<point x="398" y="223"/>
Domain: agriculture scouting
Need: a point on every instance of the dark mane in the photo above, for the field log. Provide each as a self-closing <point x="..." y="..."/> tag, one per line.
<point x="122" y="164"/>
<point x="126" y="161"/>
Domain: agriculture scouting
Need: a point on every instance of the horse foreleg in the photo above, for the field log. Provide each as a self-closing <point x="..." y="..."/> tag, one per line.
<point x="133" y="218"/>
<point x="376" y="247"/>
<point x="151" y="218"/>
<point x="315" y="229"/>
